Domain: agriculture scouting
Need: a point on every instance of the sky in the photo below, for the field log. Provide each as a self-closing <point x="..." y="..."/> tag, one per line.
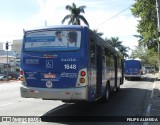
<point x="18" y="15"/>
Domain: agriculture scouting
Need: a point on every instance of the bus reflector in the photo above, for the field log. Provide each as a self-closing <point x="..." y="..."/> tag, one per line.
<point x="83" y="73"/>
<point x="32" y="91"/>
<point x="22" y="79"/>
<point x="82" y="80"/>
<point x="67" y="93"/>
<point x="21" y="72"/>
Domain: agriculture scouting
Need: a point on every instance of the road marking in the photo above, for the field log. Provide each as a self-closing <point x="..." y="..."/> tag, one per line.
<point x="5" y="104"/>
<point x="154" y="84"/>
<point x="148" y="109"/>
<point x="149" y="104"/>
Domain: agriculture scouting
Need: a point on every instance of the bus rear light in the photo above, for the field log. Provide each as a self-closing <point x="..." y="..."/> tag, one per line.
<point x="67" y="93"/>
<point x="82" y="80"/>
<point x="32" y="91"/>
<point x="83" y="73"/>
<point x="21" y="72"/>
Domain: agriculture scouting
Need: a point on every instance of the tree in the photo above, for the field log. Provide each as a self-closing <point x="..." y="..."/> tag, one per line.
<point x="139" y="52"/>
<point x="74" y="17"/>
<point x="98" y="33"/>
<point x="147" y="56"/>
<point x="145" y="11"/>
<point x="124" y="50"/>
<point x="114" y="42"/>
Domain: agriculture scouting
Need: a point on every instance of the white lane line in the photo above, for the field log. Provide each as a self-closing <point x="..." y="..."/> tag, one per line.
<point x="148" y="109"/>
<point x="154" y="84"/>
<point x="5" y="104"/>
<point x="150" y="105"/>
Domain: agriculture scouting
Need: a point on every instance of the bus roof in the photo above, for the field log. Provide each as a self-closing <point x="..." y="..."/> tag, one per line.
<point x="55" y="26"/>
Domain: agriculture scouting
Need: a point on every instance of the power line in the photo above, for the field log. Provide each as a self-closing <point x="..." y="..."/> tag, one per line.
<point x="113" y="17"/>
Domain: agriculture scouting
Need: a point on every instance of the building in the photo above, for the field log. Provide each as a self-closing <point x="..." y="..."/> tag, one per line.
<point x="1" y="46"/>
<point x="9" y="64"/>
<point x="10" y="60"/>
<point x="16" y="46"/>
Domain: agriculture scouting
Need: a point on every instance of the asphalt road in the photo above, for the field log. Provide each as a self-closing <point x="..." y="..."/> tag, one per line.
<point x="131" y="100"/>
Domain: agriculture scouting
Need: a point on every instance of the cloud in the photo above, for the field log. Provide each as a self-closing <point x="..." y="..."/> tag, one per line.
<point x="97" y="14"/>
<point x="51" y="11"/>
<point x="9" y="31"/>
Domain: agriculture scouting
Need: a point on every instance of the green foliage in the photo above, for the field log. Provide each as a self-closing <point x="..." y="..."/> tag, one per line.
<point x="151" y="57"/>
<point x="114" y="41"/>
<point x="145" y="11"/>
<point x="98" y="33"/>
<point x="147" y="56"/>
<point x="74" y="17"/>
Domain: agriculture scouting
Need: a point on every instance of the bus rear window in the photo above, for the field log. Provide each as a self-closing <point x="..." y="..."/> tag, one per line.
<point x="57" y="40"/>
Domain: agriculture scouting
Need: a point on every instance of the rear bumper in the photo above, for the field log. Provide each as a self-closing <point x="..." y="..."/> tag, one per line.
<point x="126" y="75"/>
<point x="55" y="94"/>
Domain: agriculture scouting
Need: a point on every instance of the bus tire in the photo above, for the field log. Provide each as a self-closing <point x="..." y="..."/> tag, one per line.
<point x="107" y="94"/>
<point x="118" y="87"/>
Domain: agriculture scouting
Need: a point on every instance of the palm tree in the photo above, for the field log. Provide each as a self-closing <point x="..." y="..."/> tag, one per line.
<point x="124" y="50"/>
<point x="74" y="16"/>
<point x="114" y="41"/>
<point x="98" y="33"/>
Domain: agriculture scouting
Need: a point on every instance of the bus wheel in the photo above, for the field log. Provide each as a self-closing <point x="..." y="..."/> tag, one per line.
<point x="107" y="93"/>
<point x="105" y="98"/>
<point x="118" y="87"/>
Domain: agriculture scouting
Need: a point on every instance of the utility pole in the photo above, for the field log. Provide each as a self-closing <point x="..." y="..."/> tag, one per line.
<point x="7" y="57"/>
<point x="158" y="25"/>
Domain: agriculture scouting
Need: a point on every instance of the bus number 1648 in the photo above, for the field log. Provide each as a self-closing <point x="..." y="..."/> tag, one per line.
<point x="70" y="66"/>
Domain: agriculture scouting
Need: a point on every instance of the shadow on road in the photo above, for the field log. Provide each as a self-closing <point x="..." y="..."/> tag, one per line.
<point x="126" y="102"/>
<point x="143" y="78"/>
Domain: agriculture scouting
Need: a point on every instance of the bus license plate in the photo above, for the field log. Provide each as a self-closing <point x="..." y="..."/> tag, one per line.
<point x="49" y="76"/>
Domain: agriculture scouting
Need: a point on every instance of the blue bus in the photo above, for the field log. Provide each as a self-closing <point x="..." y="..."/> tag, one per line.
<point x="132" y="69"/>
<point x="68" y="63"/>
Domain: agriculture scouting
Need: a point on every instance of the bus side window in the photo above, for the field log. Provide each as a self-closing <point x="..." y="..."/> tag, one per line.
<point x="111" y="60"/>
<point x="92" y="52"/>
<point x="119" y="62"/>
<point x="107" y="57"/>
<point x="104" y="57"/>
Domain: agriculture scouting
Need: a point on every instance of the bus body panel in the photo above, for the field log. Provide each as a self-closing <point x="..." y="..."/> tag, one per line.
<point x="132" y="68"/>
<point x="59" y="75"/>
<point x="60" y="70"/>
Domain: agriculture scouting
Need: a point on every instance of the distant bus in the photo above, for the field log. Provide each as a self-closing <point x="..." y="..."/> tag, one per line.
<point x="132" y="69"/>
<point x="85" y="68"/>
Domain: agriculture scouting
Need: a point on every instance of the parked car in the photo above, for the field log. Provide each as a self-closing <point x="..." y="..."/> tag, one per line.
<point x="3" y="78"/>
<point x="143" y="70"/>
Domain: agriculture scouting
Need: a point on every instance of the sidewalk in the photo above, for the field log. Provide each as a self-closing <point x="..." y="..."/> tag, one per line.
<point x="155" y="100"/>
<point x="10" y="81"/>
<point x="154" y="105"/>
